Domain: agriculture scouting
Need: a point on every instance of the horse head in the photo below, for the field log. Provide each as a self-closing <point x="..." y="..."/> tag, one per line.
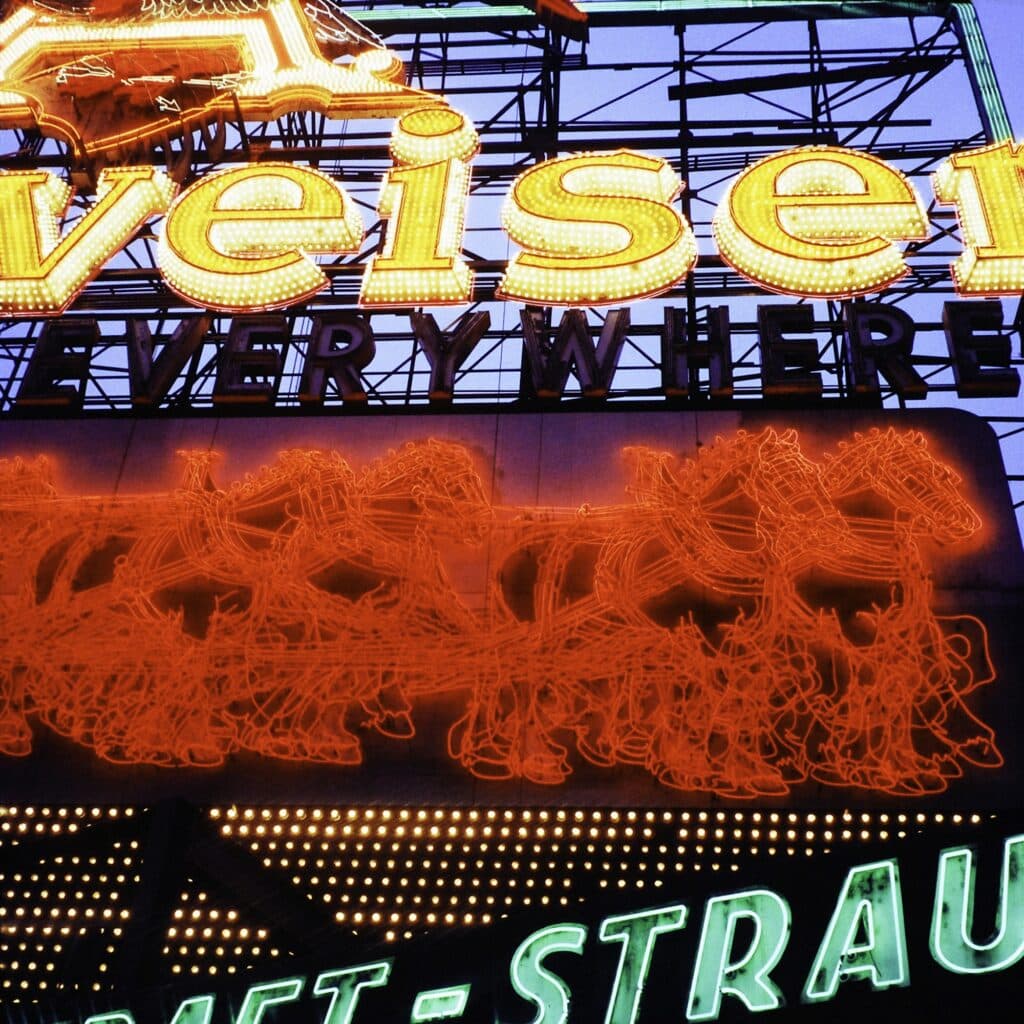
<point x="924" y="492"/>
<point x="428" y="487"/>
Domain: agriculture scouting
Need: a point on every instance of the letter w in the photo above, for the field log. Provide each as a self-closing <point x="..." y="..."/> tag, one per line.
<point x="552" y="360"/>
<point x="40" y="272"/>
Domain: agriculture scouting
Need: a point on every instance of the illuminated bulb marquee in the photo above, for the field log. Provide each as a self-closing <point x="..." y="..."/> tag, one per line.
<point x="171" y="73"/>
<point x="423" y="200"/>
<point x="987" y="188"/>
<point x="239" y="240"/>
<point x="890" y="936"/>
<point x="819" y="223"/>
<point x="594" y="228"/>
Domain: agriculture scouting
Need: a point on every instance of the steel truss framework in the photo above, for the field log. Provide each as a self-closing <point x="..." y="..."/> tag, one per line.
<point x="710" y="87"/>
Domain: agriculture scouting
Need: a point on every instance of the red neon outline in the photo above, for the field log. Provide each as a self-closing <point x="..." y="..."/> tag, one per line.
<point x="310" y="600"/>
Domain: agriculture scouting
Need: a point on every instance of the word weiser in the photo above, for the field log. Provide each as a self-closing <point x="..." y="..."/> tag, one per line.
<point x="593" y="228"/>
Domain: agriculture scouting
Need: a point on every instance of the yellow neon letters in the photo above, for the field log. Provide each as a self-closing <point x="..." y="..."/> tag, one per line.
<point x="596" y="228"/>
<point x="424" y="202"/>
<point x="819" y="222"/>
<point x="987" y="187"/>
<point x="40" y="272"/>
<point x="239" y="240"/>
<point x="432" y="134"/>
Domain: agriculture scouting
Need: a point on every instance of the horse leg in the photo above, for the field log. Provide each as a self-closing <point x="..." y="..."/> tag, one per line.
<point x="389" y="710"/>
<point x="479" y="740"/>
<point x="15" y="734"/>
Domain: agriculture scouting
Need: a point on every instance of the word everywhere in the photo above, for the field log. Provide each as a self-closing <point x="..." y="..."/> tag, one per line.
<point x="340" y="346"/>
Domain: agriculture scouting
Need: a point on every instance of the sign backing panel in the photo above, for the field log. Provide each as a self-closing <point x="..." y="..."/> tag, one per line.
<point x="535" y="608"/>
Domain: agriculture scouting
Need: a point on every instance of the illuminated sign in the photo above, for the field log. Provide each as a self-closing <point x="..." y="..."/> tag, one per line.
<point x="76" y="76"/>
<point x="596" y="229"/>
<point x="593" y="228"/>
<point x="987" y="187"/>
<point x="849" y="937"/>
<point x="819" y="223"/>
<point x="238" y="239"/>
<point x="424" y="202"/>
<point x="774" y="612"/>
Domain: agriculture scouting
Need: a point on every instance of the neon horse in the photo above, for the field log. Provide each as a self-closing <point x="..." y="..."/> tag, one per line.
<point x="616" y="650"/>
<point x="177" y="629"/>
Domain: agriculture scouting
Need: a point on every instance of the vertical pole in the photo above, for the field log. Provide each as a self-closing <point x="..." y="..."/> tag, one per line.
<point x="994" y="118"/>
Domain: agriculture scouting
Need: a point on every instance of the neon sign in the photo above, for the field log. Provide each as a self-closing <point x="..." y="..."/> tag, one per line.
<point x="75" y="76"/>
<point x="224" y="606"/>
<point x="728" y="968"/>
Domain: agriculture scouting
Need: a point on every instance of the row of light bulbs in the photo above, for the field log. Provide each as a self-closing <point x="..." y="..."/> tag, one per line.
<point x="595" y="228"/>
<point x="207" y="939"/>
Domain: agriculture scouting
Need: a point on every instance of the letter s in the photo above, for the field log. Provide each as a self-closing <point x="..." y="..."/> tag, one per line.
<point x="533" y="982"/>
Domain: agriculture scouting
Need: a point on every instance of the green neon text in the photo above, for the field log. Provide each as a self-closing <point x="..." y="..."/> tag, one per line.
<point x="718" y="973"/>
<point x="637" y="933"/>
<point x="744" y="936"/>
<point x="866" y="936"/>
<point x="197" y="1010"/>
<point x="440" y="1004"/>
<point x="344" y="986"/>
<point x="953" y="913"/>
<point x="260" y="998"/>
<point x="535" y="983"/>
